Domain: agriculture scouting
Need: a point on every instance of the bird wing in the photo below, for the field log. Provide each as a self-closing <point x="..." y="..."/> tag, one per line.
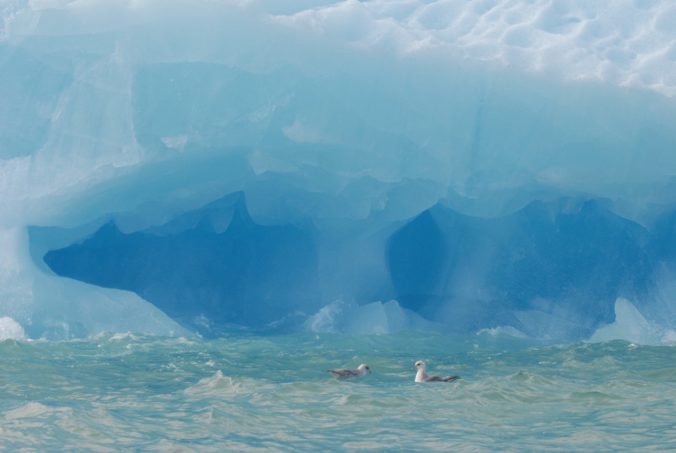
<point x="434" y="379"/>
<point x="441" y="379"/>
<point x="343" y="372"/>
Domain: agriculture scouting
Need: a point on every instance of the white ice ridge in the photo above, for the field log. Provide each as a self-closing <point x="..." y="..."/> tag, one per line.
<point x="623" y="42"/>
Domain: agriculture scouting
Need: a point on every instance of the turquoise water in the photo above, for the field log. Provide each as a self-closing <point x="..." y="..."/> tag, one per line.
<point x="271" y="393"/>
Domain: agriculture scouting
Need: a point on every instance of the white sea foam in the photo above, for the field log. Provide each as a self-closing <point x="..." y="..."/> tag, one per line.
<point x="217" y="384"/>
<point x="123" y="336"/>
<point x="508" y="331"/>
<point x="32" y="409"/>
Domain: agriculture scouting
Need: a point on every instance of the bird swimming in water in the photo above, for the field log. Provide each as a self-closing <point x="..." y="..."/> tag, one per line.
<point x="422" y="376"/>
<point x="345" y="373"/>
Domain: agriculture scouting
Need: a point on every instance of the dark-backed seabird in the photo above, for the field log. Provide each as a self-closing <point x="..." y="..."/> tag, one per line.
<point x="345" y="373"/>
<point x="422" y="376"/>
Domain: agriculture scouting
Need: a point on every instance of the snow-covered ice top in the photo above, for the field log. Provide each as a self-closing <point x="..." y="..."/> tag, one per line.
<point x="624" y="42"/>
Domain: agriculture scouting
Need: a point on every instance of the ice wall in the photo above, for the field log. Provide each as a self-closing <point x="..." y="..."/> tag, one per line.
<point x="352" y="117"/>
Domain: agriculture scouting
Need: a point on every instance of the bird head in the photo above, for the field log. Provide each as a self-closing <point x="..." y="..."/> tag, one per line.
<point x="364" y="368"/>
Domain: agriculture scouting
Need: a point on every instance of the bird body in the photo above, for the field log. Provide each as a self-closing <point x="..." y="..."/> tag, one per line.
<point x="346" y="373"/>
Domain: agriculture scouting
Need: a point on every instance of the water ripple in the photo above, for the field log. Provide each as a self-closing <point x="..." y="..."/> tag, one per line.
<point x="155" y="394"/>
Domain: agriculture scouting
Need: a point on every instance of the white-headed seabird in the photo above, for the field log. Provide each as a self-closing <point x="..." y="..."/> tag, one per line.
<point x="422" y="376"/>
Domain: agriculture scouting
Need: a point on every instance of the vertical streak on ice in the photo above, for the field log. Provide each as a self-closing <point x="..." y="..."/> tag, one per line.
<point x="16" y="285"/>
<point x="92" y="125"/>
<point x="475" y="145"/>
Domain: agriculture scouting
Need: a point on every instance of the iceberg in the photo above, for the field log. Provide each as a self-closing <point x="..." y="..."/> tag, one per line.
<point x="183" y="166"/>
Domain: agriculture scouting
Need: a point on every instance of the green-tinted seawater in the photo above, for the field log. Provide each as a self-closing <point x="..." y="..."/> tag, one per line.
<point x="126" y="392"/>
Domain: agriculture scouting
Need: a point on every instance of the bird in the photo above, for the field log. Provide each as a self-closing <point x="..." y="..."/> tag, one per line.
<point x="346" y="373"/>
<point x="422" y="376"/>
